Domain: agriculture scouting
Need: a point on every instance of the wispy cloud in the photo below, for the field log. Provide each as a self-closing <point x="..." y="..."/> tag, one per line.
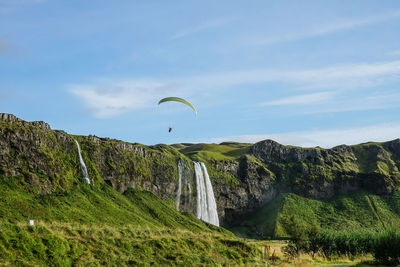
<point x="334" y="102"/>
<point x="324" y="29"/>
<point x="322" y="138"/>
<point x="394" y="53"/>
<point x="114" y="97"/>
<point x="300" y="99"/>
<point x="107" y="99"/>
<point x="349" y="71"/>
<point x="210" y="24"/>
<point x="351" y="76"/>
<point x="362" y="102"/>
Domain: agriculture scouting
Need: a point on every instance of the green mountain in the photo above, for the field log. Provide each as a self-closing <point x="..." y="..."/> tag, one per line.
<point x="81" y="224"/>
<point x="258" y="189"/>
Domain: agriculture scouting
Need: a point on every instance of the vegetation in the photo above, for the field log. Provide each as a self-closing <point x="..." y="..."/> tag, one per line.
<point x="383" y="245"/>
<point x="66" y="244"/>
<point x="90" y="205"/>
<point x="99" y="226"/>
<point x="78" y="223"/>
<point x="358" y="211"/>
<point x="214" y="152"/>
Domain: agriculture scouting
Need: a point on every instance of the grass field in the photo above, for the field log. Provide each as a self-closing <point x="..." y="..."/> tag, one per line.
<point x="66" y="244"/>
<point x="98" y="226"/>
<point x="214" y="152"/>
<point x="360" y="210"/>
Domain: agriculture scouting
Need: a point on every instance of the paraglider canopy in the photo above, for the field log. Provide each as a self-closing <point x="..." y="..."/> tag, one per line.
<point x="177" y="99"/>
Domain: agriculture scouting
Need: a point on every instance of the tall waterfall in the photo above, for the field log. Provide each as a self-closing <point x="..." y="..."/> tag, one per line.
<point x="206" y="205"/>
<point x="179" y="192"/>
<point x="82" y="163"/>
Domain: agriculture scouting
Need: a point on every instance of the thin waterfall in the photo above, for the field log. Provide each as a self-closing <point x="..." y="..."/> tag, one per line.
<point x="206" y="205"/>
<point x="179" y="191"/>
<point x="82" y="163"/>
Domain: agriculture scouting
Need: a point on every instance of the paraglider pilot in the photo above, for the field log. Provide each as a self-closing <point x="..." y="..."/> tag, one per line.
<point x="177" y="99"/>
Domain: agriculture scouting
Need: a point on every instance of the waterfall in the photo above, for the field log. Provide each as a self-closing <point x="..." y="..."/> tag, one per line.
<point x="82" y="163"/>
<point x="179" y="192"/>
<point x="206" y="205"/>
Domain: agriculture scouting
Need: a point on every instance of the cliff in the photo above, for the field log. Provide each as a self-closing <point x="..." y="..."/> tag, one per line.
<point x="245" y="177"/>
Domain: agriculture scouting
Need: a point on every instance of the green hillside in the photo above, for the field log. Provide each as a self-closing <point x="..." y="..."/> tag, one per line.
<point x="214" y="152"/>
<point x="99" y="226"/>
<point x="358" y="211"/>
<point x="127" y="214"/>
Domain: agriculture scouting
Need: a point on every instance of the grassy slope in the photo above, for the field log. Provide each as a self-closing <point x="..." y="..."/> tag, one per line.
<point x="100" y="226"/>
<point x="214" y="152"/>
<point x="62" y="244"/>
<point x="359" y="210"/>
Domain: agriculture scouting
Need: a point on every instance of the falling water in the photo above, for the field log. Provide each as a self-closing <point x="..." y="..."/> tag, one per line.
<point x="206" y="205"/>
<point x="179" y="192"/>
<point x="82" y="163"/>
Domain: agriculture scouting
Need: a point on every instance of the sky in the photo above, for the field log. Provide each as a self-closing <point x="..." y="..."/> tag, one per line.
<point x="306" y="73"/>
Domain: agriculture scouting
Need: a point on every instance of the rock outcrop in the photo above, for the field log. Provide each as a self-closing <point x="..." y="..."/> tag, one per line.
<point x="5" y="117"/>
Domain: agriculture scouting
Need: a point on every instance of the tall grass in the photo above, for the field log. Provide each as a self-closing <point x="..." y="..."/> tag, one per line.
<point x="383" y="245"/>
<point x="75" y="244"/>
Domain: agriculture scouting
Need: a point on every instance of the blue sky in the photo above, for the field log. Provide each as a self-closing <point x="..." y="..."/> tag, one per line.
<point x="308" y="73"/>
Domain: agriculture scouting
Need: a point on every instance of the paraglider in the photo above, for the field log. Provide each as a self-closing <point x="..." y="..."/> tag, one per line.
<point x="177" y="99"/>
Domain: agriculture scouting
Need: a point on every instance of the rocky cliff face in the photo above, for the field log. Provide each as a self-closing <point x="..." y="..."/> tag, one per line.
<point x="322" y="173"/>
<point x="269" y="168"/>
<point x="252" y="186"/>
<point x="48" y="160"/>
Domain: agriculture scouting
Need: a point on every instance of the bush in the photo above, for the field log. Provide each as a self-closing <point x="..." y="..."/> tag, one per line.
<point x="387" y="248"/>
<point x="384" y="246"/>
<point x="302" y="238"/>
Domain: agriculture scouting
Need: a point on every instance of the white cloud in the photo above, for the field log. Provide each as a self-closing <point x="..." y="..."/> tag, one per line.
<point x="109" y="98"/>
<point x="394" y="53"/>
<point x="324" y="29"/>
<point x="300" y="99"/>
<point x="114" y="97"/>
<point x="340" y="101"/>
<point x="349" y="71"/>
<point x="348" y="75"/>
<point x="210" y="24"/>
<point x="381" y="100"/>
<point x="322" y="138"/>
